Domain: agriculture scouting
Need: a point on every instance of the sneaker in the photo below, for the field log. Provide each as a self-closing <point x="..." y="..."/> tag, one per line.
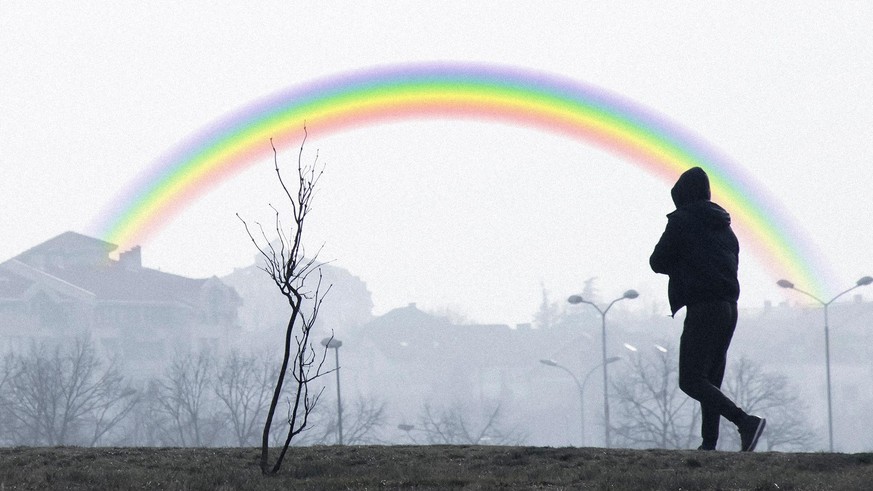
<point x="750" y="431"/>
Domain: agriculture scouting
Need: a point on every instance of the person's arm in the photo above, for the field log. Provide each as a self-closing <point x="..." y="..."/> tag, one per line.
<point x="665" y="254"/>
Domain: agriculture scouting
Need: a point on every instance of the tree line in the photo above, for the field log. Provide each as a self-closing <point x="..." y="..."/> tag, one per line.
<point x="654" y="413"/>
<point x="66" y="394"/>
<point x="69" y="395"/>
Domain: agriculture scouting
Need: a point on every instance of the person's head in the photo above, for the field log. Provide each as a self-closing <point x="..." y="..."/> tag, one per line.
<point x="692" y="185"/>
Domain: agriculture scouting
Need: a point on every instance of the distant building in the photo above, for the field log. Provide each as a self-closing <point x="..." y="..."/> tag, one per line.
<point x="416" y="359"/>
<point x="264" y="313"/>
<point x="69" y="285"/>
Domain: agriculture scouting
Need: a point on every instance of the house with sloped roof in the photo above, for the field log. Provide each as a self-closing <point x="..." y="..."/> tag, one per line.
<point x="69" y="285"/>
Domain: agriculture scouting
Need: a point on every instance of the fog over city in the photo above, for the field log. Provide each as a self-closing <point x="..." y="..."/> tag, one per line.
<point x="468" y="220"/>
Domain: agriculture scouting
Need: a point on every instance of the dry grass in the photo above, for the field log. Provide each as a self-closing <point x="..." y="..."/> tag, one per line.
<point x="430" y="467"/>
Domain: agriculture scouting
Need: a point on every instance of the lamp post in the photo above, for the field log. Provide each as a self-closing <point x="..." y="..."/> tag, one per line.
<point x="331" y="342"/>
<point x="576" y="299"/>
<point x="866" y="280"/>
<point x="408" y="429"/>
<point x="580" y="386"/>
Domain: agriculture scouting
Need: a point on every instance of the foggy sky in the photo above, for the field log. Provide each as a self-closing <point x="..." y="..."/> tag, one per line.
<point x="470" y="216"/>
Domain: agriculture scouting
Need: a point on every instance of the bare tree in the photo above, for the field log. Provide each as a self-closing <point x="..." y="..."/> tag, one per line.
<point x="549" y="312"/>
<point x="149" y="425"/>
<point x="361" y="424"/>
<point x="286" y="264"/>
<point x="7" y="421"/>
<point x="366" y="418"/>
<point x="242" y="385"/>
<point x="183" y="396"/>
<point x="654" y="413"/>
<point x="455" y="426"/>
<point x="760" y="392"/>
<point x="64" y="396"/>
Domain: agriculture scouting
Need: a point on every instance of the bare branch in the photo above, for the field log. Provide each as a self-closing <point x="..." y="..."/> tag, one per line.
<point x="62" y="396"/>
<point x="285" y="262"/>
<point x="653" y="413"/>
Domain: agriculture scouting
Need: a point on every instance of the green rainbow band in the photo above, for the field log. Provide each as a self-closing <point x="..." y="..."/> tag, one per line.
<point x="467" y="91"/>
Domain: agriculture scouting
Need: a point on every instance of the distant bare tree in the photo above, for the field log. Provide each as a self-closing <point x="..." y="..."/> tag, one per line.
<point x="63" y="396"/>
<point x="455" y="426"/>
<point x="149" y="425"/>
<point x="286" y="264"/>
<point x="7" y="423"/>
<point x="183" y="395"/>
<point x="654" y="413"/>
<point x="6" y="369"/>
<point x="367" y="416"/>
<point x="549" y="312"/>
<point x="242" y="385"/>
<point x="770" y="394"/>
<point x="361" y="425"/>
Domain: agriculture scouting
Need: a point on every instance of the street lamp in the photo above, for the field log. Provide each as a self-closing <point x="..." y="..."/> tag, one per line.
<point x="334" y="343"/>
<point x="577" y="299"/>
<point x="581" y="387"/>
<point x="408" y="429"/>
<point x="866" y="280"/>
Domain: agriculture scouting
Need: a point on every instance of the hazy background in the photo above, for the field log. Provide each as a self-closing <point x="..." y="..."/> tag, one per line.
<point x="473" y="217"/>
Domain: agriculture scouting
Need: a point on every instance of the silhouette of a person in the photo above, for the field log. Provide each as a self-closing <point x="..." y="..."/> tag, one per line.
<point x="700" y="254"/>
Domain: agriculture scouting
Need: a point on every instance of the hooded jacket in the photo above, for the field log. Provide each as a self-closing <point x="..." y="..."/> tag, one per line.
<point x="698" y="250"/>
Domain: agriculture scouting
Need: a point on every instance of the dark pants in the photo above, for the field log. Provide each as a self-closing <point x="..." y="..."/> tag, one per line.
<point x="706" y="337"/>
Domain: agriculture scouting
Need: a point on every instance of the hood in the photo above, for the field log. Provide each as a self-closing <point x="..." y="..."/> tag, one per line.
<point x="692" y="186"/>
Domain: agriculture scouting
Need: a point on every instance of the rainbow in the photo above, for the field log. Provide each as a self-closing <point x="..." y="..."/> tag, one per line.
<point x="463" y="91"/>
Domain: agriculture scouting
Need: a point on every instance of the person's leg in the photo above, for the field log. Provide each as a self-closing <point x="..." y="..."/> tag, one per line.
<point x="710" y="418"/>
<point x="709" y="421"/>
<point x="701" y="345"/>
<point x="703" y="339"/>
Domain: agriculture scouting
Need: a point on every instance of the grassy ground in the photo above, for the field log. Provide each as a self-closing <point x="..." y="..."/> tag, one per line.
<point x="430" y="467"/>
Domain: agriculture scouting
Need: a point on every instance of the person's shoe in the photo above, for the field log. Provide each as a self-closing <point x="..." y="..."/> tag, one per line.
<point x="750" y="431"/>
<point x="706" y="448"/>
